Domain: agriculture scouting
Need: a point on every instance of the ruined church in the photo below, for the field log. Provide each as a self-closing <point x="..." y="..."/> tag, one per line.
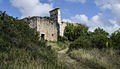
<point x="48" y="27"/>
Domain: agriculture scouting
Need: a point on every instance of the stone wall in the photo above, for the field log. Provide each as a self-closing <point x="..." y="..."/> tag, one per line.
<point x="62" y="28"/>
<point x="32" y="21"/>
<point x="46" y="28"/>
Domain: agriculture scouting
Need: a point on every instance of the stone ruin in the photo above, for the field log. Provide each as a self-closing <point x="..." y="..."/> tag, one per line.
<point x="48" y="27"/>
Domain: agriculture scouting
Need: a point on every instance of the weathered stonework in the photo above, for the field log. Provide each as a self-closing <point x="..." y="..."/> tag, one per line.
<point x="48" y="27"/>
<point x="56" y="17"/>
<point x="62" y="28"/>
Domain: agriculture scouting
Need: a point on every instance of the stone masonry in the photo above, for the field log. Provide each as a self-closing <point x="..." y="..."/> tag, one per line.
<point x="48" y="27"/>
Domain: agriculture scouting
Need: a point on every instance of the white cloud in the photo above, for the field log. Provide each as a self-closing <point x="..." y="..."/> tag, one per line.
<point x="32" y="7"/>
<point x="100" y="21"/>
<point x="81" y="1"/>
<point x="77" y="19"/>
<point x="96" y="21"/>
<point x="116" y="12"/>
<point x="67" y="20"/>
<point x="113" y="5"/>
<point x="80" y="18"/>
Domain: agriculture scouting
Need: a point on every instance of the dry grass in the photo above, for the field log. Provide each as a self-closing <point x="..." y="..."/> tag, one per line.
<point x="98" y="59"/>
<point x="33" y="65"/>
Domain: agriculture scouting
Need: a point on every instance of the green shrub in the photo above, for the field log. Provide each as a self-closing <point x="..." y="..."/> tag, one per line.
<point x="81" y="42"/>
<point x="99" y="38"/>
<point x="115" y="39"/>
<point x="62" y="38"/>
<point x="96" y="39"/>
<point x="73" y="32"/>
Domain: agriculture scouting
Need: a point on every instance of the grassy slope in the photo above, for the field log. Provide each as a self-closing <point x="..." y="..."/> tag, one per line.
<point x="97" y="59"/>
<point x="87" y="58"/>
<point x="20" y="47"/>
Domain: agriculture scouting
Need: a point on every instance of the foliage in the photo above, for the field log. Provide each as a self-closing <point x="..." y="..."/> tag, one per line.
<point x="81" y="42"/>
<point x="73" y="32"/>
<point x="115" y="39"/>
<point x="20" y="45"/>
<point x="96" y="39"/>
<point x="62" y="38"/>
<point x="99" y="38"/>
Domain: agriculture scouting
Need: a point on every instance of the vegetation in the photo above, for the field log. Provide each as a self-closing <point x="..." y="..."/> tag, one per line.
<point x="96" y="58"/>
<point x="94" y="50"/>
<point x="62" y="38"/>
<point x="99" y="38"/>
<point x="96" y="39"/>
<point x="73" y="32"/>
<point x="20" y="47"/>
<point x="82" y="38"/>
<point x="57" y="46"/>
<point x="115" y="40"/>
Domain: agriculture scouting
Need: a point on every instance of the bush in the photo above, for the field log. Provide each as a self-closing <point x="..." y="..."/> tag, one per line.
<point x="115" y="39"/>
<point x="96" y="39"/>
<point x="81" y="42"/>
<point x="99" y="38"/>
<point x="73" y="32"/>
<point x="62" y="38"/>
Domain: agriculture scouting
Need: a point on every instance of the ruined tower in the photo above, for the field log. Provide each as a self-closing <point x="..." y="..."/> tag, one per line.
<point x="56" y="17"/>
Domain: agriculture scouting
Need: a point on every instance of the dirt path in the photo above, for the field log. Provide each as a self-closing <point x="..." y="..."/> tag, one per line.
<point x="63" y="51"/>
<point x="62" y="55"/>
<point x="71" y="63"/>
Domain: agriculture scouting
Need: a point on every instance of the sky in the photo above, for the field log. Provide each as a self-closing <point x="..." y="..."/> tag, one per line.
<point x="92" y="13"/>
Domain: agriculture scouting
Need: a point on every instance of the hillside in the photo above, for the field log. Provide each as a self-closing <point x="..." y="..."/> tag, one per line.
<point x="89" y="58"/>
<point x="20" y="47"/>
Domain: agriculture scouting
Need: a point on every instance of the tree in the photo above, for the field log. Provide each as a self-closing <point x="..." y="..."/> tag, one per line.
<point x="115" y="39"/>
<point x="69" y="32"/>
<point x="74" y="32"/>
<point x="99" y="38"/>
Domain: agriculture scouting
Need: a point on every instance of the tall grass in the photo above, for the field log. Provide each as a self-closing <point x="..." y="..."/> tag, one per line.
<point x="32" y="65"/>
<point x="97" y="59"/>
<point x="35" y="58"/>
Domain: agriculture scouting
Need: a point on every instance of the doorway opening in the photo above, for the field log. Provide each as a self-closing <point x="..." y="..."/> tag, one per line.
<point x="52" y="34"/>
<point x="42" y="36"/>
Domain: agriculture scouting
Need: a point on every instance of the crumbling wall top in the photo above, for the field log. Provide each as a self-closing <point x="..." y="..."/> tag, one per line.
<point x="37" y="17"/>
<point x="54" y="9"/>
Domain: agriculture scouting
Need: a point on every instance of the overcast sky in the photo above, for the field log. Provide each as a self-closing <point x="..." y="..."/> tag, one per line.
<point x="93" y="13"/>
